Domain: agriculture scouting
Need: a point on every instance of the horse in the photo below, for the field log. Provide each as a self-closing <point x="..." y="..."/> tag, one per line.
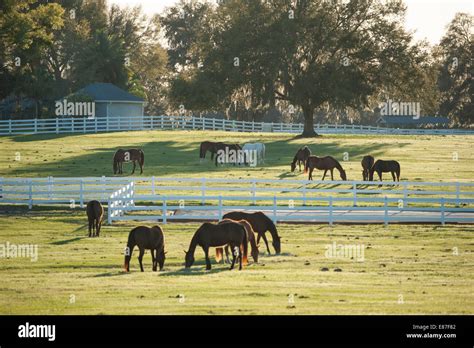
<point x="367" y="163"/>
<point x="381" y="166"/>
<point x="260" y="224"/>
<point x="95" y="214"/>
<point x="212" y="235"/>
<point x="131" y="155"/>
<point x="250" y="237"/>
<point x="207" y="146"/>
<point x="301" y="157"/>
<point x="259" y="149"/>
<point x="227" y="148"/>
<point x="323" y="163"/>
<point x="150" y="238"/>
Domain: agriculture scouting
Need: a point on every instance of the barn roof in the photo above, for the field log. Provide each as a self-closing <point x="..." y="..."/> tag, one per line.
<point x="410" y="120"/>
<point x="107" y="92"/>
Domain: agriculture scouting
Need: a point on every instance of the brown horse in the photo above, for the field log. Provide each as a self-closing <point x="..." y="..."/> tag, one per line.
<point x="219" y="147"/>
<point x="211" y="235"/>
<point x="367" y="163"/>
<point x="300" y="157"/>
<point x="131" y="155"/>
<point x="95" y="214"/>
<point x="148" y="238"/>
<point x="207" y="146"/>
<point x="381" y="166"/>
<point x="323" y="163"/>
<point x="250" y="237"/>
<point x="260" y="224"/>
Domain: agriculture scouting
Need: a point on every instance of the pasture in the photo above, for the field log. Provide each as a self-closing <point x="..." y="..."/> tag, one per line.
<point x="407" y="269"/>
<point x="429" y="266"/>
<point x="176" y="153"/>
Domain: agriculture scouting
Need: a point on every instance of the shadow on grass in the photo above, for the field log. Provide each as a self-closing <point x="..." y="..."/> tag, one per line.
<point x="109" y="274"/>
<point x="67" y="241"/>
<point x="197" y="271"/>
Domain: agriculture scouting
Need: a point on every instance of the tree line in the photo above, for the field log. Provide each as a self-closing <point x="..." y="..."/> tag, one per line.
<point x="300" y="60"/>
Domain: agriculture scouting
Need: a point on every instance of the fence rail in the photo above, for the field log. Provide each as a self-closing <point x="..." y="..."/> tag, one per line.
<point x="130" y="123"/>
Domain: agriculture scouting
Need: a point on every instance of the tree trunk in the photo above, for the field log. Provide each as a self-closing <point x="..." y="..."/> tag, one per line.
<point x="308" y="130"/>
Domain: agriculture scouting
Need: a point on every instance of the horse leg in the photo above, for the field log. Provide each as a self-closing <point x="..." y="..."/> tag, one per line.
<point x="97" y="227"/>
<point x="141" y="167"/>
<point x="332" y="174"/>
<point x="208" y="261"/>
<point x="134" y="165"/>
<point x="153" y="259"/>
<point x="324" y="175"/>
<point x="91" y="223"/>
<point x="227" y="260"/>
<point x="240" y="258"/>
<point x="266" y="241"/>
<point x="310" y="176"/>
<point x="393" y="176"/>
<point x="233" y="256"/>
<point x="140" y="258"/>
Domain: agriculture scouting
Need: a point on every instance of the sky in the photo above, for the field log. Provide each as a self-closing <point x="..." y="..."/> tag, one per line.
<point x="428" y="18"/>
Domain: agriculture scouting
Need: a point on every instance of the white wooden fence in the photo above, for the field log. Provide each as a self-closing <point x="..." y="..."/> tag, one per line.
<point x="113" y="124"/>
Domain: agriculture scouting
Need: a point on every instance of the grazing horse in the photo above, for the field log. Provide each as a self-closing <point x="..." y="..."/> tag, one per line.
<point x="381" y="166"/>
<point x="95" y="214"/>
<point x="150" y="238"/>
<point x="323" y="163"/>
<point x="131" y="155"/>
<point x="260" y="224"/>
<point x="211" y="235"/>
<point x="367" y="163"/>
<point x="300" y="157"/>
<point x="259" y="149"/>
<point x="250" y="238"/>
<point x="222" y="147"/>
<point x="207" y="146"/>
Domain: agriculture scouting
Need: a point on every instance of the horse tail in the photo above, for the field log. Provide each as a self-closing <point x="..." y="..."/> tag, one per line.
<point x="219" y="254"/>
<point x="130" y="246"/>
<point x="306" y="165"/>
<point x="398" y="171"/>
<point x="115" y="163"/>
<point x="245" y="260"/>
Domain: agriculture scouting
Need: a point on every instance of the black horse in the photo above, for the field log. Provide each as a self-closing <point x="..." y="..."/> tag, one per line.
<point x="146" y="238"/>
<point x="381" y="166"/>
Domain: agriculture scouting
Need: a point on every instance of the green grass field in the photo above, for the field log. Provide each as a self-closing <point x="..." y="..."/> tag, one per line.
<point x="176" y="153"/>
<point x="414" y="269"/>
<point x="430" y="267"/>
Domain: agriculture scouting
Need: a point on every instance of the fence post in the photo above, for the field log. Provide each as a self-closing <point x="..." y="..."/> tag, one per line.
<point x="72" y="124"/>
<point x="213" y="124"/>
<point x="30" y="193"/>
<point x="153" y="185"/>
<point x="81" y="194"/>
<point x="36" y="125"/>
<point x="162" y="121"/>
<point x="220" y="207"/>
<point x="165" y="209"/>
<point x="442" y="211"/>
<point x="84" y="124"/>
<point x="274" y="209"/>
<point x="50" y="185"/>
<point x="203" y="191"/>
<point x="253" y="191"/>
<point x="304" y="195"/>
<point x="57" y="125"/>
<point x="354" y="191"/>
<point x="330" y="211"/>
<point x="457" y="194"/>
<point x="10" y="126"/>
<point x="95" y="124"/>
<point x="109" y="211"/>
<point x="385" y="216"/>
<point x="194" y="123"/>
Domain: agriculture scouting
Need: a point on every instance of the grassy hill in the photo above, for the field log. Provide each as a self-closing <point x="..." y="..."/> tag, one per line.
<point x="176" y="153"/>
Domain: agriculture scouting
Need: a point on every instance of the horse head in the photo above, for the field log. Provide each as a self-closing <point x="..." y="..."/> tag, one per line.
<point x="189" y="259"/>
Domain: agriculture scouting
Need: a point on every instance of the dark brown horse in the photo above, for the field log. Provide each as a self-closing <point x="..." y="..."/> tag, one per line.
<point x="222" y="147"/>
<point x="367" y="163"/>
<point x="146" y="238"/>
<point x="250" y="238"/>
<point x="381" y="166"/>
<point x="300" y="157"/>
<point x="211" y="235"/>
<point x="131" y="155"/>
<point x="260" y="224"/>
<point x="323" y="163"/>
<point x="95" y="214"/>
<point x="205" y="147"/>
